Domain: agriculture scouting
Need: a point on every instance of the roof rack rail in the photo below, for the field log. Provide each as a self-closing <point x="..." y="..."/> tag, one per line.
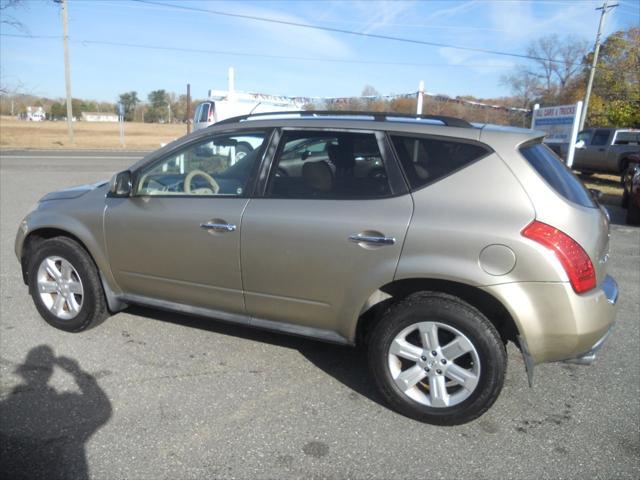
<point x="377" y="116"/>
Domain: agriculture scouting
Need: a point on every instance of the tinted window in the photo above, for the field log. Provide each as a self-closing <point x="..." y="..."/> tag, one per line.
<point x="584" y="136"/>
<point x="328" y="165"/>
<point x="217" y="166"/>
<point x="600" y="137"/>
<point x="556" y="174"/>
<point x="426" y="160"/>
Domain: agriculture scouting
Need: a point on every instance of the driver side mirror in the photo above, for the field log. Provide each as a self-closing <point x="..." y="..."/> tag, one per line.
<point x="580" y="144"/>
<point x="120" y="184"/>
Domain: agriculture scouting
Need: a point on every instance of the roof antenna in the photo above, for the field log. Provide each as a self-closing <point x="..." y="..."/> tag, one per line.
<point x="257" y="105"/>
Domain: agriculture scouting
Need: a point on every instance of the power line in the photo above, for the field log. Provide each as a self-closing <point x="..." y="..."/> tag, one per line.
<point x="246" y="54"/>
<point x="86" y="42"/>
<point x="352" y="32"/>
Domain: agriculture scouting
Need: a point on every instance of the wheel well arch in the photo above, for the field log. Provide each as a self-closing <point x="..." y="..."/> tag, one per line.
<point x="397" y="290"/>
<point x="38" y="236"/>
<point x="623" y="162"/>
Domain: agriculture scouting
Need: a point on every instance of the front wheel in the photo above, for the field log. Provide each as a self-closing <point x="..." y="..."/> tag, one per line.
<point x="65" y="286"/>
<point x="437" y="359"/>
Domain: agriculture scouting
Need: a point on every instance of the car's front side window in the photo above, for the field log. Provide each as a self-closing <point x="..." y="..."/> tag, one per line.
<point x="220" y="166"/>
<point x="328" y="165"/>
<point x="585" y="135"/>
<point x="600" y="138"/>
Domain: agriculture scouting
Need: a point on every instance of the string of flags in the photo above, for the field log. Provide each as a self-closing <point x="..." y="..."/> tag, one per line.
<point x="302" y="101"/>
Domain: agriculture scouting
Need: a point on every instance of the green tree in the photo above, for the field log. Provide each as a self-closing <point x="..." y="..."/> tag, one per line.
<point x="129" y="100"/>
<point x="615" y="100"/>
<point x="58" y="110"/>
<point x="158" y="106"/>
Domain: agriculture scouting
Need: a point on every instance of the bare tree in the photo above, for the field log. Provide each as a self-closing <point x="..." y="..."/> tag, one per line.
<point x="570" y="54"/>
<point x="544" y="50"/>
<point x="524" y="85"/>
<point x="554" y="65"/>
<point x="6" y="19"/>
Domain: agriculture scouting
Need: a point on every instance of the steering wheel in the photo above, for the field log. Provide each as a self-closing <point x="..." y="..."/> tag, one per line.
<point x="200" y="191"/>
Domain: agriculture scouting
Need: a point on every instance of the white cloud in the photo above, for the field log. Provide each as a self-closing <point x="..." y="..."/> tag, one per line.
<point x="525" y="20"/>
<point x="458" y="9"/>
<point x="375" y="16"/>
<point x="477" y="62"/>
<point x="288" y="39"/>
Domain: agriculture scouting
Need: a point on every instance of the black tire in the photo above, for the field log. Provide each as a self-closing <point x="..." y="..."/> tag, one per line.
<point x="633" y="212"/>
<point x="93" y="309"/>
<point x="625" y="198"/>
<point x="452" y="312"/>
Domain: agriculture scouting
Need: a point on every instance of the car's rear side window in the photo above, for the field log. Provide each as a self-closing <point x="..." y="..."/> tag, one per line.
<point x="556" y="174"/>
<point x="426" y="159"/>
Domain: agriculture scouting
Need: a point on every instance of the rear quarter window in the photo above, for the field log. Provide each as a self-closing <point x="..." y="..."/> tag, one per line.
<point x="426" y="160"/>
<point x="557" y="175"/>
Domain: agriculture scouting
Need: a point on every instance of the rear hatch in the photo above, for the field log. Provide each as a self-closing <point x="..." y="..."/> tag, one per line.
<point x="579" y="216"/>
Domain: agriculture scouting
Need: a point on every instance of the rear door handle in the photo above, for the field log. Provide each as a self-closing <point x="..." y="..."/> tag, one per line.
<point x="372" y="240"/>
<point x="218" y="227"/>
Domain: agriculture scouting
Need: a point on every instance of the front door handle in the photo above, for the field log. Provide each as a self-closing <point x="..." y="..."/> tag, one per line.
<point x="218" y="227"/>
<point x="372" y="240"/>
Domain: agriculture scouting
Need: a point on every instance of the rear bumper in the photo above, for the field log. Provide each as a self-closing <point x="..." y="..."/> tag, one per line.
<point x="555" y="323"/>
<point x="610" y="288"/>
<point x="589" y="357"/>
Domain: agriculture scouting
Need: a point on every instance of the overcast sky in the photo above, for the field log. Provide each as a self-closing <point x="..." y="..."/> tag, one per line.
<point x="325" y="63"/>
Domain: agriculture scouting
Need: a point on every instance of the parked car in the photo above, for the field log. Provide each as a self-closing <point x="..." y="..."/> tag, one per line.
<point x="631" y="191"/>
<point x="605" y="150"/>
<point x="428" y="241"/>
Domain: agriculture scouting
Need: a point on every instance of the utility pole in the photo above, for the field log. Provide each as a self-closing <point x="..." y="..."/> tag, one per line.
<point x="420" y="97"/>
<point x="188" y="108"/>
<point x="605" y="8"/>
<point x="67" y="71"/>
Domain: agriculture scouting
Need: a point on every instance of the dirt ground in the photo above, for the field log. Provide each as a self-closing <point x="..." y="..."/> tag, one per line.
<point x="50" y="135"/>
<point x="609" y="185"/>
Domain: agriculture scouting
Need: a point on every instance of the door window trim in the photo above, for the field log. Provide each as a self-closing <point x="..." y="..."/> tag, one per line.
<point x="488" y="151"/>
<point x="397" y="183"/>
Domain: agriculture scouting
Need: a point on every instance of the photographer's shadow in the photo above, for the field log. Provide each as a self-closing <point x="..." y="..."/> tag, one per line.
<point x="42" y="432"/>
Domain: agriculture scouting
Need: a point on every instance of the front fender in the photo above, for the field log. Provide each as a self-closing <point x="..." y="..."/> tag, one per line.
<point x="82" y="220"/>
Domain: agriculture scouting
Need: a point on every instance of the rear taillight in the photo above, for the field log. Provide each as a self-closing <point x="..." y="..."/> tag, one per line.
<point x="572" y="256"/>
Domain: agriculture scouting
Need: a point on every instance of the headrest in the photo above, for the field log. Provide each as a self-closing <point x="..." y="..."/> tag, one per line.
<point x="318" y="176"/>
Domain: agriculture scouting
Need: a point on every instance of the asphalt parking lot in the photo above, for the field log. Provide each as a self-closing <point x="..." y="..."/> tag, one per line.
<point x="153" y="395"/>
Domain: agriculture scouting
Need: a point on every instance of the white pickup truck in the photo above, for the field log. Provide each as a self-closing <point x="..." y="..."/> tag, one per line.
<point x="222" y="105"/>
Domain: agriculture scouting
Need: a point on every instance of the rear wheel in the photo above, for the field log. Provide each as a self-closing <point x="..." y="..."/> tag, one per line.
<point x="437" y="359"/>
<point x="65" y="286"/>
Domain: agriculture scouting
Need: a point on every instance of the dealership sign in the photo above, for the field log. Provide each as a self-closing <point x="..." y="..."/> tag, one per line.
<point x="559" y="123"/>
